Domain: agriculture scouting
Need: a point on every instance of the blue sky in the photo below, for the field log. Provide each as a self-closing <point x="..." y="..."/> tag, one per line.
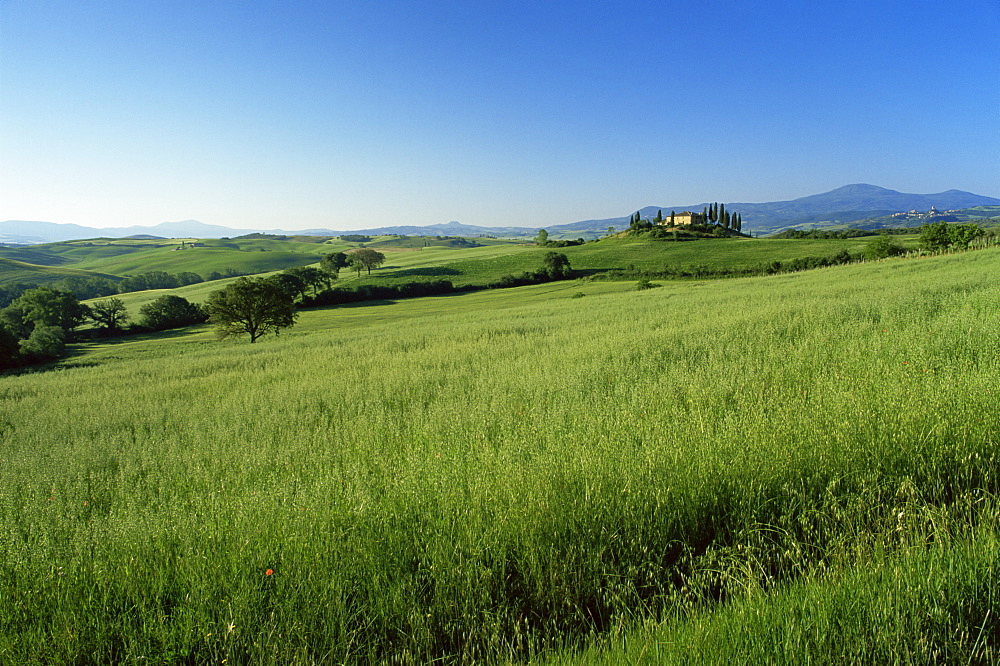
<point x="303" y="114"/>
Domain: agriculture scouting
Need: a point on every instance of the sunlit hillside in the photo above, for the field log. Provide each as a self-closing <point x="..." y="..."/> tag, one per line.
<point x="540" y="472"/>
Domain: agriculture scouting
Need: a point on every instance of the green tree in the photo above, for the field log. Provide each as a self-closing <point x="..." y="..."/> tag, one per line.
<point x="367" y="258"/>
<point x="672" y="218"/>
<point x="89" y="287"/>
<point x="290" y="284"/>
<point x="255" y="306"/>
<point x="110" y="313"/>
<point x="542" y="239"/>
<point x="51" y="307"/>
<point x="963" y="234"/>
<point x="883" y="246"/>
<point x="333" y="262"/>
<point x="935" y="237"/>
<point x="611" y="231"/>
<point x="720" y="214"/>
<point x="313" y="278"/>
<point x="556" y="265"/>
<point x="659" y="217"/>
<point x="44" y="343"/>
<point x="171" y="311"/>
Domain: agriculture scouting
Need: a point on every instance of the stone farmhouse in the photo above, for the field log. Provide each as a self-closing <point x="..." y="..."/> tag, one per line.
<point x="680" y="219"/>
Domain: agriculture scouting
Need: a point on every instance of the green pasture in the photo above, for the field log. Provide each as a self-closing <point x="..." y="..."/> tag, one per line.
<point x="18" y="271"/>
<point x="483" y="265"/>
<point x="521" y="474"/>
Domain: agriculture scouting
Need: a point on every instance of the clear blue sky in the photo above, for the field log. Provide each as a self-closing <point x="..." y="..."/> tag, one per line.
<point x="302" y="114"/>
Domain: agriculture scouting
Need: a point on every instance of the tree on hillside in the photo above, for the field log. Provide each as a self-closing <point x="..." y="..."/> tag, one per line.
<point x="89" y="287"/>
<point x="312" y="278"/>
<point x="659" y="217"/>
<point x="672" y="216"/>
<point x="332" y="263"/>
<point x="290" y="284"/>
<point x="883" y="246"/>
<point x="110" y="313"/>
<point x="171" y="311"/>
<point x="50" y="307"/>
<point x="542" y="239"/>
<point x="44" y="344"/>
<point x="556" y="265"/>
<point x="367" y="259"/>
<point x="189" y="277"/>
<point x="254" y="306"/>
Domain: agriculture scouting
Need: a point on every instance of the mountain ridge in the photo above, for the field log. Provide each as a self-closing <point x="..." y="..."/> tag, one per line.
<point x="841" y="205"/>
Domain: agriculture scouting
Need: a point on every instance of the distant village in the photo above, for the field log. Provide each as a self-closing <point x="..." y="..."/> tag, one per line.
<point x="916" y="213"/>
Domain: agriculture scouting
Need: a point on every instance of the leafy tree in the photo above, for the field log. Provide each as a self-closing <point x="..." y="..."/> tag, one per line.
<point x="109" y="313"/>
<point x="51" y="307"/>
<point x="89" y="287"/>
<point x="254" y="306"/>
<point x="367" y="258"/>
<point x="44" y="343"/>
<point x="13" y="290"/>
<point x="883" y="246"/>
<point x="556" y="265"/>
<point x="312" y="278"/>
<point x="940" y="235"/>
<point x="611" y="231"/>
<point x="290" y="284"/>
<point x="333" y="262"/>
<point x="188" y="277"/>
<point x="171" y="311"/>
<point x="659" y="217"/>
<point x="963" y="234"/>
<point x="542" y="239"/>
<point x="149" y="280"/>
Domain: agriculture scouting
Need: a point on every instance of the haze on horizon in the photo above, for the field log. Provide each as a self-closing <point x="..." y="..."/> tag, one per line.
<point x="303" y="114"/>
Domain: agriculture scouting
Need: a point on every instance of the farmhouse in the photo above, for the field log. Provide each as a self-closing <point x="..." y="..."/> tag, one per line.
<point x="687" y="217"/>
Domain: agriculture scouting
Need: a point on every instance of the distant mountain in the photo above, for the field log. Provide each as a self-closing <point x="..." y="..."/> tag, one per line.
<point x="836" y="207"/>
<point x="840" y="206"/>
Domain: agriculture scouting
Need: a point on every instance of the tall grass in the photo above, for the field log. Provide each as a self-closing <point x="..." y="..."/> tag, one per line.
<point x="494" y="483"/>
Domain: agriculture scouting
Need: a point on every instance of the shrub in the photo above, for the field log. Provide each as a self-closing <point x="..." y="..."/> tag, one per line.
<point x="883" y="246"/>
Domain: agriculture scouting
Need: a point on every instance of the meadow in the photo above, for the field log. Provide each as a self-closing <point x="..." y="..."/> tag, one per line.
<point x="523" y="474"/>
<point x="407" y="259"/>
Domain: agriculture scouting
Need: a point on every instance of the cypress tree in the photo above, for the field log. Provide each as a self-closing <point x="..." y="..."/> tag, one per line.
<point x="720" y="216"/>
<point x="659" y="217"/>
<point x="671" y="218"/>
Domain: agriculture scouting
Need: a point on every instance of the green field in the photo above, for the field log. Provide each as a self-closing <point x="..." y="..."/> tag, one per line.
<point x="407" y="259"/>
<point x="705" y="472"/>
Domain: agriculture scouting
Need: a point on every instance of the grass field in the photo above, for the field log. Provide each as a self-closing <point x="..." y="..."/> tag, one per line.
<point x="407" y="260"/>
<point x="522" y="474"/>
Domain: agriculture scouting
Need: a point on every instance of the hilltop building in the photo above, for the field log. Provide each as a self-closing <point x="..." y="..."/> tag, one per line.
<point x="685" y="218"/>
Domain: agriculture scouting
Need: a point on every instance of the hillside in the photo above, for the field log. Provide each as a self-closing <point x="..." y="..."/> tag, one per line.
<point x="498" y="475"/>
